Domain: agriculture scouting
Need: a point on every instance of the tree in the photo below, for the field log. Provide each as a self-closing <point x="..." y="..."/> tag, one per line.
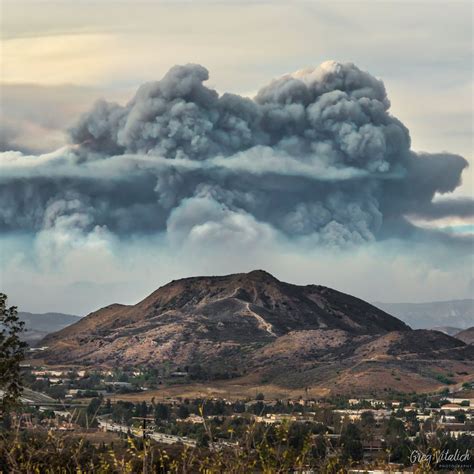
<point x="56" y="391"/>
<point x="162" y="412"/>
<point x="122" y="412"/>
<point x="12" y="352"/>
<point x="319" y="447"/>
<point x="396" y="440"/>
<point x="351" y="443"/>
<point x="460" y="416"/>
<point x="183" y="412"/>
<point x="93" y="406"/>
<point x="203" y="439"/>
<point x="141" y="409"/>
<point x="367" y="425"/>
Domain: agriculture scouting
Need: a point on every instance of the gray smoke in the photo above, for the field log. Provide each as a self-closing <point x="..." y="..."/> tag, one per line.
<point x="316" y="155"/>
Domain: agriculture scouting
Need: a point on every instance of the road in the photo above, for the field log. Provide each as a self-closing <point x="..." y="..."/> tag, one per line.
<point x="156" y="436"/>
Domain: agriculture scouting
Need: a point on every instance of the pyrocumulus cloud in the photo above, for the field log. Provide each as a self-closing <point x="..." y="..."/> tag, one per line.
<point x="316" y="155"/>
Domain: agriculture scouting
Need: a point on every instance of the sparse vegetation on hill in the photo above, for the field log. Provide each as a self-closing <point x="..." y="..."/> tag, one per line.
<point x="256" y="329"/>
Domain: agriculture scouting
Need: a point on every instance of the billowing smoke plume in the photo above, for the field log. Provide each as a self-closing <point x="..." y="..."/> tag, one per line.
<point x="315" y="155"/>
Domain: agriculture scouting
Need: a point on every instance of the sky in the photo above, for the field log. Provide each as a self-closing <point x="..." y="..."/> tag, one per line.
<point x="94" y="211"/>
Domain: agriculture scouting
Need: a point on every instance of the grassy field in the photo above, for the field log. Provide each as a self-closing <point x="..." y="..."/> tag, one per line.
<point x="228" y="389"/>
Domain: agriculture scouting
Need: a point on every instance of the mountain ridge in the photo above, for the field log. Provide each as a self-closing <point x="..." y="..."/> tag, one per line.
<point x="256" y="290"/>
<point x="458" y="313"/>
<point x="38" y="325"/>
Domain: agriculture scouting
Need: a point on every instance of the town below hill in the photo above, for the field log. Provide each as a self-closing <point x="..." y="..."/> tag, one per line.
<point x="117" y="408"/>
<point x="216" y="374"/>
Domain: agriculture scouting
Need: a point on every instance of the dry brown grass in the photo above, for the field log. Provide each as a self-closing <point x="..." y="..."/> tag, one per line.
<point x="229" y="389"/>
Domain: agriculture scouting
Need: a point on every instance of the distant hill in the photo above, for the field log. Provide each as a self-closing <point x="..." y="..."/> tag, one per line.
<point x="467" y="335"/>
<point x="455" y="313"/>
<point x="260" y="330"/>
<point x="449" y="330"/>
<point x="39" y="325"/>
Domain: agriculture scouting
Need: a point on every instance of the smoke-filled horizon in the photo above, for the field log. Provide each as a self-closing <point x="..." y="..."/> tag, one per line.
<point x="314" y="163"/>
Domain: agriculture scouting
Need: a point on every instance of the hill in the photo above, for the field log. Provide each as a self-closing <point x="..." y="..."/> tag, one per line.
<point x="258" y="328"/>
<point x="449" y="330"/>
<point x="436" y="314"/>
<point x="39" y="325"/>
<point x="466" y="336"/>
